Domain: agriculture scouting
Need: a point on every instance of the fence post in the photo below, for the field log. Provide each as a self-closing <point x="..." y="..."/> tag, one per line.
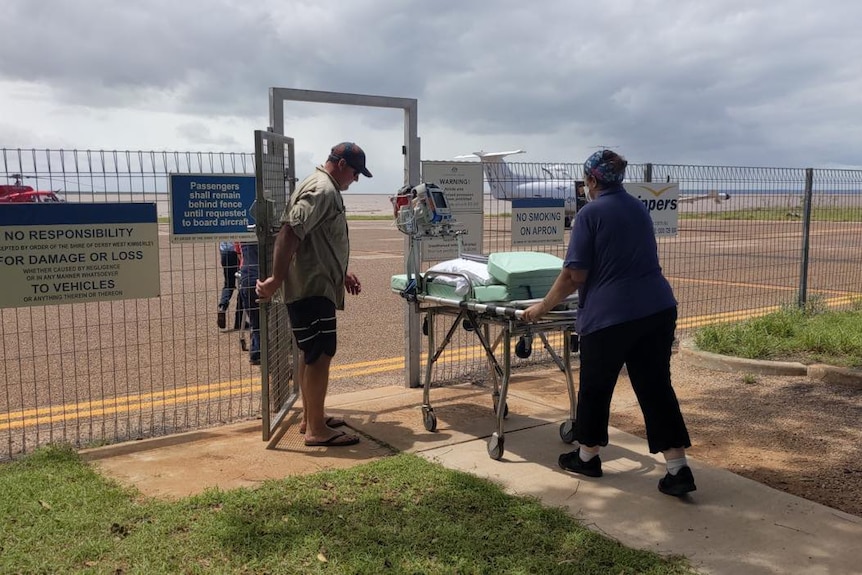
<point x="806" y="237"/>
<point x="648" y="172"/>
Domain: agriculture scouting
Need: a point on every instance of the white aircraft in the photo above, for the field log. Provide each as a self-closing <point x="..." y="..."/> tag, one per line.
<point x="548" y="181"/>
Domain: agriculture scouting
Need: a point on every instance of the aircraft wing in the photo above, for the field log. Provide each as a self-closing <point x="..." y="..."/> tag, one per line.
<point x="713" y="195"/>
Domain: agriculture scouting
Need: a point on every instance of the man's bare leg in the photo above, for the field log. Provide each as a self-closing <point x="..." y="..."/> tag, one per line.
<point x="313" y="382"/>
<point x="300" y="374"/>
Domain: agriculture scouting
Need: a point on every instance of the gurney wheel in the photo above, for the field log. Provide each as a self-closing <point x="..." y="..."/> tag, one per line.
<point x="429" y="419"/>
<point x="522" y="350"/>
<point x="505" y="408"/>
<point x="495" y="447"/>
<point x="567" y="431"/>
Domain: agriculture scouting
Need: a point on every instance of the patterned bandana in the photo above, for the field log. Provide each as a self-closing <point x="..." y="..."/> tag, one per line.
<point x="602" y="170"/>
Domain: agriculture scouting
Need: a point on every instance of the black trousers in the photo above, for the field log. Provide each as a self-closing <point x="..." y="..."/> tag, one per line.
<point x="644" y="347"/>
<point x="229" y="266"/>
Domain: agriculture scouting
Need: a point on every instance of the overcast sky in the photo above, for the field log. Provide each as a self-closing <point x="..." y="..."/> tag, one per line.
<point x="719" y="82"/>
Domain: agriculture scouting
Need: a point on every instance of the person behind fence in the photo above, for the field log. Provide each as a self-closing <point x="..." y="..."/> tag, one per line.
<point x="626" y="316"/>
<point x="310" y="257"/>
<point x="248" y="275"/>
<point x="229" y="266"/>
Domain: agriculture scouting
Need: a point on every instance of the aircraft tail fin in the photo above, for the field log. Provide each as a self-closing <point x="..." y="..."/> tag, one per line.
<point x="501" y="181"/>
<point x="491" y="156"/>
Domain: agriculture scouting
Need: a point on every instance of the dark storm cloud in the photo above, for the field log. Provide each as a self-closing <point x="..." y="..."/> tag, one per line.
<point x="666" y="81"/>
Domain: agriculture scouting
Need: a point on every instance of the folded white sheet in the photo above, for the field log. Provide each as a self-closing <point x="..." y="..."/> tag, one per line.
<point x="476" y="271"/>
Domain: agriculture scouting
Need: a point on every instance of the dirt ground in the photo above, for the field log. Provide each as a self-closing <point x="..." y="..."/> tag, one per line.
<point x="791" y="433"/>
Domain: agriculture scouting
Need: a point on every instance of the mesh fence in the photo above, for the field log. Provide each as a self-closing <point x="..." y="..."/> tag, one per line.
<point x="744" y="246"/>
<point x="97" y="372"/>
<point x="100" y="372"/>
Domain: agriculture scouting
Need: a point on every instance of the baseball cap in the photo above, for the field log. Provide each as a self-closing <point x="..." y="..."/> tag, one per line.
<point x="352" y="154"/>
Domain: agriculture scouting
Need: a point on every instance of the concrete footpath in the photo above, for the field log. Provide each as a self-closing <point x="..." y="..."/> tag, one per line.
<point x="730" y="525"/>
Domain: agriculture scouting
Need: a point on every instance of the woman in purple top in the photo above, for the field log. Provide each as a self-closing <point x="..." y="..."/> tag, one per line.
<point x="626" y="316"/>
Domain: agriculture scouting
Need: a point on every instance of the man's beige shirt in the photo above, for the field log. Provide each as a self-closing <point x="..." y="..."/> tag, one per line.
<point x="316" y="214"/>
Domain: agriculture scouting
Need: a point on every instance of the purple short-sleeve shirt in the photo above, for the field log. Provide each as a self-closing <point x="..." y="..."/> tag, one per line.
<point x="612" y="238"/>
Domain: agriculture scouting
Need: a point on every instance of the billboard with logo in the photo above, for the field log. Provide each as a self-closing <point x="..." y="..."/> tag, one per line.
<point x="661" y="200"/>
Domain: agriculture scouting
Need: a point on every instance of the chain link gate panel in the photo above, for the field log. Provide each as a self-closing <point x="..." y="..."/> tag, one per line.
<point x="275" y="173"/>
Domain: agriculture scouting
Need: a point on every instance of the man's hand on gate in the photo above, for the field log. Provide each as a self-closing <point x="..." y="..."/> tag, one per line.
<point x="265" y="289"/>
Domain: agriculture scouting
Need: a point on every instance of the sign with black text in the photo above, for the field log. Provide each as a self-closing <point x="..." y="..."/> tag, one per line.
<point x="661" y="200"/>
<point x="538" y="221"/>
<point x="68" y="253"/>
<point x="462" y="183"/>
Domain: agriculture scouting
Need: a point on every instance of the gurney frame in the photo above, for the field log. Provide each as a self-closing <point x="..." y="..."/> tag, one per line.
<point x="508" y="316"/>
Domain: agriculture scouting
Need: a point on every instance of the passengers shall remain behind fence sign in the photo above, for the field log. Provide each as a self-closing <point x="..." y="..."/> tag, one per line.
<point x="208" y="207"/>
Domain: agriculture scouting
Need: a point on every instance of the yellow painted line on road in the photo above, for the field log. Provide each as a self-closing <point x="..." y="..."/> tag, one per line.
<point x="119" y="405"/>
<point x="726" y="317"/>
<point x="729" y="316"/>
<point x="371" y="363"/>
<point x="770" y="287"/>
<point x="727" y="283"/>
<point x="148" y="401"/>
<point x="125" y="399"/>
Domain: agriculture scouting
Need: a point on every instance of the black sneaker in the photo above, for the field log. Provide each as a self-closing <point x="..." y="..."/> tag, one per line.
<point x="679" y="484"/>
<point x="221" y="318"/>
<point x="572" y="462"/>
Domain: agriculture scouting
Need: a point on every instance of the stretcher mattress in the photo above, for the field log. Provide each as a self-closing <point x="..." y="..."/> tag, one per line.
<point x="519" y="276"/>
<point x="491" y="293"/>
<point x="535" y="270"/>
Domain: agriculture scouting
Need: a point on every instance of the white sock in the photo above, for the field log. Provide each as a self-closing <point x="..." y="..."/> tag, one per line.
<point x="585" y="456"/>
<point x="674" y="465"/>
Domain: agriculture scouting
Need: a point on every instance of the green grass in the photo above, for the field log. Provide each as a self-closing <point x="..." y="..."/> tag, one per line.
<point x="805" y="335"/>
<point x="398" y="515"/>
<point x="778" y="213"/>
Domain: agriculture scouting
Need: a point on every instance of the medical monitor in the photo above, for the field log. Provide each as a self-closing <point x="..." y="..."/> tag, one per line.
<point x="439" y="200"/>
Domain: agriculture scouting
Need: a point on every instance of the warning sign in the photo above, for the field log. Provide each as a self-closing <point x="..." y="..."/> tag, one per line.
<point x="66" y="253"/>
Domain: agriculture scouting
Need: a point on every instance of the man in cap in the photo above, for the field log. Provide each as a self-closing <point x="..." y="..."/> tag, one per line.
<point x="310" y="258"/>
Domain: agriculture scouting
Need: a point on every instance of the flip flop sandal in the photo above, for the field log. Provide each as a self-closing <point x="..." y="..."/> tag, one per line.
<point x="340" y="439"/>
<point x="331" y="421"/>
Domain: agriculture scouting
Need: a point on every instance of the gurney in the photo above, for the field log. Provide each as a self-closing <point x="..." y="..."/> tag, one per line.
<point x="521" y="279"/>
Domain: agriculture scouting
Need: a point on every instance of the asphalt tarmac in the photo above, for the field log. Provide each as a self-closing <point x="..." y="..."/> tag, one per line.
<point x="110" y="371"/>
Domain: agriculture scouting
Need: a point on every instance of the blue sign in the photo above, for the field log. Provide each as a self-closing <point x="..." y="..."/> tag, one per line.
<point x="211" y="207"/>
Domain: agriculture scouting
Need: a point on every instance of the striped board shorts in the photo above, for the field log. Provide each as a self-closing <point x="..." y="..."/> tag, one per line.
<point x="312" y="321"/>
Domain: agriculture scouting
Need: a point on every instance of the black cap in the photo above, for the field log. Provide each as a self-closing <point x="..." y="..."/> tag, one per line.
<point x="352" y="154"/>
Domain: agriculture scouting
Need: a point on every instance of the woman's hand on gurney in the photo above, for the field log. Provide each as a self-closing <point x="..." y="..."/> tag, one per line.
<point x="351" y="284"/>
<point x="535" y="311"/>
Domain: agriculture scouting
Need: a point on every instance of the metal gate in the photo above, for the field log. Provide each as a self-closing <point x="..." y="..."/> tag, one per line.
<point x="275" y="174"/>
